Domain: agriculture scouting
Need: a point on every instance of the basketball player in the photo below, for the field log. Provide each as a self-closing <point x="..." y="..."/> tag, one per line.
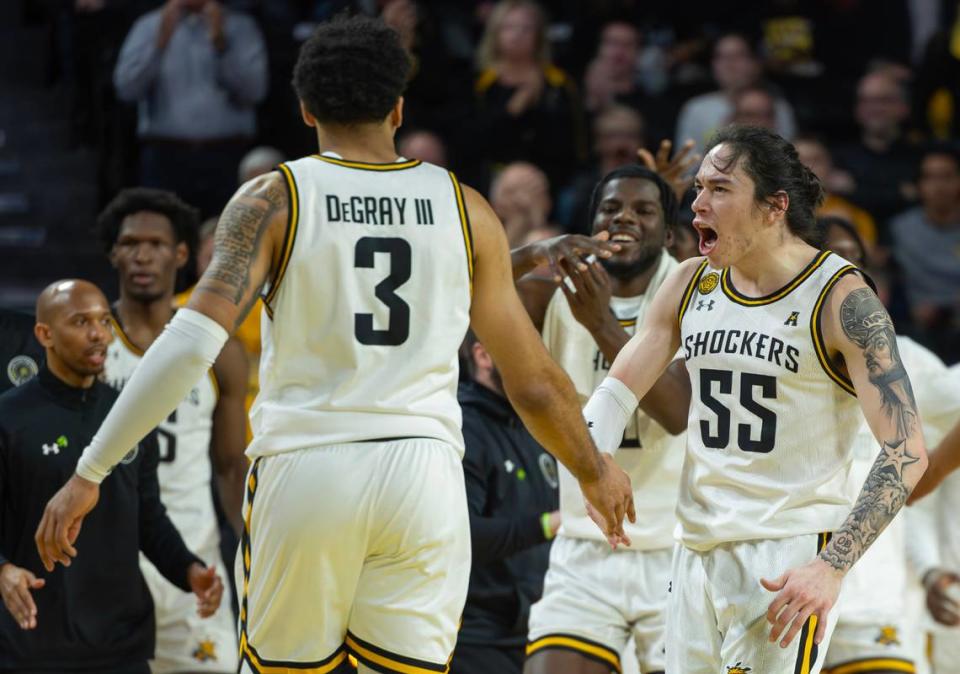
<point x="372" y="266"/>
<point x="876" y="632"/>
<point x="581" y="624"/>
<point x="146" y="233"/>
<point x="780" y="340"/>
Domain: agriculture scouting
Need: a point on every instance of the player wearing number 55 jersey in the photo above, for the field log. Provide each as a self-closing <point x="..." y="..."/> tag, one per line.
<point x="781" y="341"/>
<point x="146" y="233"/>
<point x="356" y="535"/>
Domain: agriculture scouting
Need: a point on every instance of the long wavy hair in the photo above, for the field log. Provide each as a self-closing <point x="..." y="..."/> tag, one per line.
<point x="488" y="51"/>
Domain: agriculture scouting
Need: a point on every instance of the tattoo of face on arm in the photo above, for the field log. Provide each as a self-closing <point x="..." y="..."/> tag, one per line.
<point x="865" y="323"/>
<point x="237" y="240"/>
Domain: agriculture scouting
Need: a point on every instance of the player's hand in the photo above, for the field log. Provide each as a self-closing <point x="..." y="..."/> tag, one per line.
<point x="675" y="171"/>
<point x="811" y="589"/>
<point x="206" y="584"/>
<point x="15" y="586"/>
<point x="571" y="251"/>
<point x="609" y="499"/>
<point x="61" y="521"/>
<point x="940" y="584"/>
<point x="589" y="296"/>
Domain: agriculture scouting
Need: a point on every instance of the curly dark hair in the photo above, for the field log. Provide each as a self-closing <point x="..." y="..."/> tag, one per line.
<point x="773" y="165"/>
<point x="668" y="199"/>
<point x="351" y="70"/>
<point x="184" y="218"/>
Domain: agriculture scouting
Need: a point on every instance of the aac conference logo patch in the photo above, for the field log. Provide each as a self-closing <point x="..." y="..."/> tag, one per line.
<point x="708" y="283"/>
<point x="21" y="369"/>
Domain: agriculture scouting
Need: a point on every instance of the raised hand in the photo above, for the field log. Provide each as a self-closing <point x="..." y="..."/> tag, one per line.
<point x="570" y="252"/>
<point x="675" y="171"/>
<point x="15" y="586"/>
<point x="589" y="298"/>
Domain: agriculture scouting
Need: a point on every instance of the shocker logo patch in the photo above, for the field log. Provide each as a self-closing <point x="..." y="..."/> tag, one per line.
<point x="708" y="283"/>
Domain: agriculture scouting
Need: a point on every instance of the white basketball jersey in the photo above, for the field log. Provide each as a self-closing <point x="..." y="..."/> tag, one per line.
<point x="362" y="325"/>
<point x="772" y="420"/>
<point x="649" y="454"/>
<point x="184" y="470"/>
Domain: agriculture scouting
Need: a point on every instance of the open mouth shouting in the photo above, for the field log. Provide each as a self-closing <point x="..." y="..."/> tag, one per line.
<point x="708" y="237"/>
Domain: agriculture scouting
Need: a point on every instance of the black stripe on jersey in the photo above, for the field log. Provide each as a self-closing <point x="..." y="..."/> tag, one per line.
<point x="124" y="339"/>
<point x="731" y="292"/>
<point x="245" y="555"/>
<point x="592" y="650"/>
<point x="384" y="661"/>
<point x="293" y="219"/>
<point x="370" y="166"/>
<point x="688" y="293"/>
<point x="263" y="666"/>
<point x="808" y="650"/>
<point x="816" y="333"/>
<point x="464" y="226"/>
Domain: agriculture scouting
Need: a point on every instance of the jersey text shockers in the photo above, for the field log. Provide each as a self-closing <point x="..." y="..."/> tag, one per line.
<point x="772" y="420"/>
<point x="365" y="315"/>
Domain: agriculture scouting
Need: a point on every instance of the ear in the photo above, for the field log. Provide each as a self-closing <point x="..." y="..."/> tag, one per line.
<point x="112" y="256"/>
<point x="182" y="254"/>
<point x="668" y="236"/>
<point x="396" y="115"/>
<point x="308" y="118"/>
<point x="43" y="334"/>
<point x="778" y="203"/>
<point x="481" y="358"/>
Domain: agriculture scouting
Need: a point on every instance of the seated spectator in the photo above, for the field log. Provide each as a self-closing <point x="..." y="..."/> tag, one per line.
<point x="880" y="162"/>
<point x="926" y="242"/>
<point x="612" y="74"/>
<point x="618" y="132"/>
<point x="256" y="162"/>
<point x="196" y="70"/>
<point x="735" y="67"/>
<point x="754" y="106"/>
<point x="520" y="196"/>
<point x="528" y="109"/>
<point x="423" y="145"/>
<point x="96" y="615"/>
<point x="815" y="155"/>
<point x="513" y="499"/>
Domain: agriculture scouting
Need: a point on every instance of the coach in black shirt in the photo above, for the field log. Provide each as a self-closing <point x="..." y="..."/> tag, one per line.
<point x="512" y="498"/>
<point x="95" y="615"/>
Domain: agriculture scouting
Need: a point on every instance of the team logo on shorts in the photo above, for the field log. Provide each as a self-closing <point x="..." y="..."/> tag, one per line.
<point x="548" y="466"/>
<point x="708" y="283"/>
<point x="21" y="369"/>
<point x="888" y="636"/>
<point x="738" y="668"/>
<point x="205" y="651"/>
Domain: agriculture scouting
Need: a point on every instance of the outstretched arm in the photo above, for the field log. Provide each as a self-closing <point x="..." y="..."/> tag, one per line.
<point x="246" y="248"/>
<point x="857" y="329"/>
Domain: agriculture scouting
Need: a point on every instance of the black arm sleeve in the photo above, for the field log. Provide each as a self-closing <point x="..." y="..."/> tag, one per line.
<point x="159" y="539"/>
<point x="493" y="538"/>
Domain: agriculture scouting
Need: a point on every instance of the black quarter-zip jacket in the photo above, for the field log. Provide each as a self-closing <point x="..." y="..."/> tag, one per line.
<point x="97" y="613"/>
<point x="511" y="481"/>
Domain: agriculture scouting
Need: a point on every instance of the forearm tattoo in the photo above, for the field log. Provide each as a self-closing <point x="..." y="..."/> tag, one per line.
<point x="866" y="323"/>
<point x="239" y="233"/>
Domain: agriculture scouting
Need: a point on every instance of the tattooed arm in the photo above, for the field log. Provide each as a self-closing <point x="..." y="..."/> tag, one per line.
<point x="246" y="249"/>
<point x="858" y="331"/>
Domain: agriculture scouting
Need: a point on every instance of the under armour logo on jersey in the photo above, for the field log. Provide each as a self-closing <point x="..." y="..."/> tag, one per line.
<point x="792" y="320"/>
<point x="509" y="465"/>
<point x="705" y="303"/>
<point x="52" y="448"/>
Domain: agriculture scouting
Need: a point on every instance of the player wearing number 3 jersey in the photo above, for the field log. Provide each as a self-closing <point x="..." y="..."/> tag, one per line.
<point x="781" y="342"/>
<point x="356" y="536"/>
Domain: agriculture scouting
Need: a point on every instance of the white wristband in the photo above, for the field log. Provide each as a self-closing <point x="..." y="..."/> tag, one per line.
<point x="173" y="364"/>
<point x="607" y="413"/>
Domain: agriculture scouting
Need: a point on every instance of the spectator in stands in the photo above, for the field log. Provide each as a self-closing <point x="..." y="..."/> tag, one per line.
<point x="196" y="70"/>
<point x="513" y="499"/>
<point x="520" y="195"/>
<point x="423" y="145"/>
<point x="528" y="109"/>
<point x="881" y="163"/>
<point x="612" y="75"/>
<point x="256" y="162"/>
<point x="735" y="67"/>
<point x="754" y="106"/>
<point x="815" y="155"/>
<point x="618" y="132"/>
<point x="927" y="247"/>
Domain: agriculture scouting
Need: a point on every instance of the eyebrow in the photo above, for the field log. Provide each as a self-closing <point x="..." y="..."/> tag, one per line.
<point x="718" y="180"/>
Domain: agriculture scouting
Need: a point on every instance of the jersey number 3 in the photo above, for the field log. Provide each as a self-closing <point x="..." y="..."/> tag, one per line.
<point x="750" y="385"/>
<point x="398" y="324"/>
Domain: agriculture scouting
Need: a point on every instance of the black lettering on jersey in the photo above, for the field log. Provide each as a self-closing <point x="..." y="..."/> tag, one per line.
<point x="776" y="348"/>
<point x="716" y="341"/>
<point x="167" y="438"/>
<point x="687" y="354"/>
<point x="700" y="344"/>
<point x="424" y="209"/>
<point x="792" y="355"/>
<point x="728" y="345"/>
<point x="600" y="363"/>
<point x="746" y="346"/>
<point x="401" y="205"/>
<point x="761" y="345"/>
<point x="333" y="208"/>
